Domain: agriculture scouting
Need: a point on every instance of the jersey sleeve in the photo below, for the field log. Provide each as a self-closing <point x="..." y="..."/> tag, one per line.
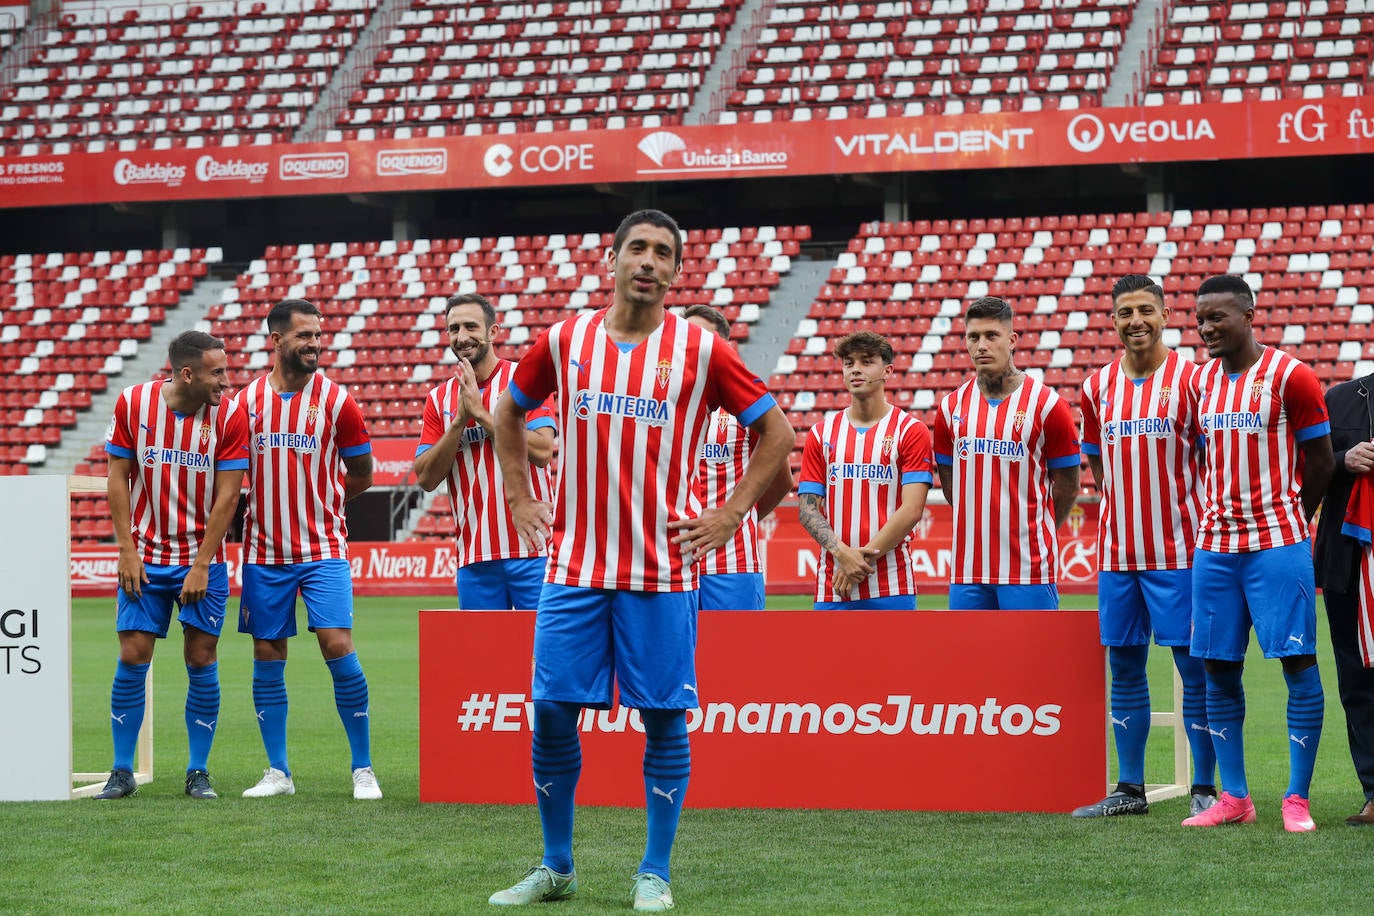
<point x="812" y="479"/>
<point x="350" y="432"/>
<point x="431" y="425"/>
<point x="535" y="376"/>
<point x="914" y="455"/>
<point x="231" y="446"/>
<point x="1061" y="448"/>
<point x="942" y="439"/>
<point x="119" y="441"/>
<point x="1304" y="404"/>
<point x="1092" y="423"/>
<point x="733" y="386"/>
<point x="542" y="417"/>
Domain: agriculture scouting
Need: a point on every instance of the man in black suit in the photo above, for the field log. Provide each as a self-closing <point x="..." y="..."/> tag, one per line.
<point x="1337" y="564"/>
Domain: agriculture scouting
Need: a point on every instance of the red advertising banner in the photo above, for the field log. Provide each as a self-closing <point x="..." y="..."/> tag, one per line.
<point x="926" y="711"/>
<point x="790" y="554"/>
<point x="392" y="460"/>
<point x="428" y="568"/>
<point x="378" y="568"/>
<point x="1246" y="130"/>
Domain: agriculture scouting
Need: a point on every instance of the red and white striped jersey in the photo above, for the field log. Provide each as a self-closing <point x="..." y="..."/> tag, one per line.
<point x="1149" y="438"/>
<point x="1359" y="524"/>
<point x="632" y="422"/>
<point x="724" y="456"/>
<point x="175" y="459"/>
<point x="296" y="475"/>
<point x="860" y="473"/>
<point x="1001" y="456"/>
<point x="476" y="489"/>
<point x="1254" y="424"/>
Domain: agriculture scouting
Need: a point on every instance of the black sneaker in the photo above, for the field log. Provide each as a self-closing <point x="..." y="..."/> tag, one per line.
<point x="198" y="785"/>
<point x="120" y="784"/>
<point x="1117" y="803"/>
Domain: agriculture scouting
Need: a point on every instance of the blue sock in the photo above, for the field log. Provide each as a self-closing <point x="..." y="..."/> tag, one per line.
<point x="557" y="758"/>
<point x="350" y="699"/>
<point x="1226" y="722"/>
<point x="1130" y="710"/>
<point x="202" y="713"/>
<point x="127" y="698"/>
<point x="1190" y="671"/>
<point x="667" y="767"/>
<point x="1306" y="705"/>
<point x="269" y="701"/>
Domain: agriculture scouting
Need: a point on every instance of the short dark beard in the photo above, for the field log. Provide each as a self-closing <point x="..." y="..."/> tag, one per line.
<point x="295" y="363"/>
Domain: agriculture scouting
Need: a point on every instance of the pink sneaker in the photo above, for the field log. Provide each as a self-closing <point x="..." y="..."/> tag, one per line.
<point x="1231" y="810"/>
<point x="1297" y="818"/>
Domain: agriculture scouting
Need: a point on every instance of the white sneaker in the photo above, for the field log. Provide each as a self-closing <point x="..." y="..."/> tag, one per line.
<point x="273" y="782"/>
<point x="365" y="784"/>
<point x="651" y="893"/>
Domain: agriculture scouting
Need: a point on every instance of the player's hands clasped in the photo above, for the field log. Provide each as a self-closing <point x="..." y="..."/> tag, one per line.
<point x="1360" y="458"/>
<point x="852" y="566"/>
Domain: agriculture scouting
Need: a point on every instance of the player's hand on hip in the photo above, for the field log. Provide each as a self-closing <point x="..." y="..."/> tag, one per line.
<point x="1360" y="458"/>
<point x="132" y="575"/>
<point x="194" y="585"/>
<point x="533" y="518"/>
<point x="709" y="531"/>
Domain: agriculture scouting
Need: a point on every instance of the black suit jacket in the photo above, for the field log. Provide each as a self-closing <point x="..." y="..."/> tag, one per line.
<point x="1351" y="409"/>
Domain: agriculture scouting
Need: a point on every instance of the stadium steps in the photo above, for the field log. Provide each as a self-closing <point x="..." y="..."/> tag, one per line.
<point x="152" y="357"/>
<point x="348" y="76"/>
<point x="719" y="78"/>
<point x="768" y="339"/>
<point x="1139" y="38"/>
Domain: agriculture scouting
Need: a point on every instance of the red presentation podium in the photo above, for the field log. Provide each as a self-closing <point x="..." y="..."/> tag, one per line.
<point x="923" y="711"/>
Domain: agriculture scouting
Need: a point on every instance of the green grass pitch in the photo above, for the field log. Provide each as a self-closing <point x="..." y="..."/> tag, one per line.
<point x="321" y="852"/>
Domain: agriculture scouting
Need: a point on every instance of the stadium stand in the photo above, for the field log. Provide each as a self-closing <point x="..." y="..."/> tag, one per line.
<point x="69" y="321"/>
<point x="162" y="76"/>
<point x="1233" y="52"/>
<point x="817" y="61"/>
<point x="912" y="281"/>
<point x="470" y="68"/>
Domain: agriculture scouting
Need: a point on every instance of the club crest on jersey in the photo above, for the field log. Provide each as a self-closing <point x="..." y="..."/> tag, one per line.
<point x="722" y="422"/>
<point x="1256" y="392"/>
<point x="312" y="413"/>
<point x="1018" y="420"/>
<point x="888" y="445"/>
<point x="665" y="371"/>
<point x="205" y="434"/>
<point x="1164" y="394"/>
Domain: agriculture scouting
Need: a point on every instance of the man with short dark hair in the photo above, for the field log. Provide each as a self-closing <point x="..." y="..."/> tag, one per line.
<point x="731" y="577"/>
<point x="1268" y="463"/>
<point x="1142" y="438"/>
<point x="1006" y="449"/>
<point x="636" y="386"/>
<point x="495" y="570"/>
<point x="865" y="474"/>
<point x="177" y="451"/>
<point x="310" y="454"/>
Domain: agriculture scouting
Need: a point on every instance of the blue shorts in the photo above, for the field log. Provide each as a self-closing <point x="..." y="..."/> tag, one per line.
<point x="1271" y="589"/>
<point x="881" y="603"/>
<point x="152" y="613"/>
<point x="732" y="592"/>
<point x="1003" y="597"/>
<point x="589" y="640"/>
<point x="1132" y="605"/>
<point x="267" y="607"/>
<point x="499" y="585"/>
